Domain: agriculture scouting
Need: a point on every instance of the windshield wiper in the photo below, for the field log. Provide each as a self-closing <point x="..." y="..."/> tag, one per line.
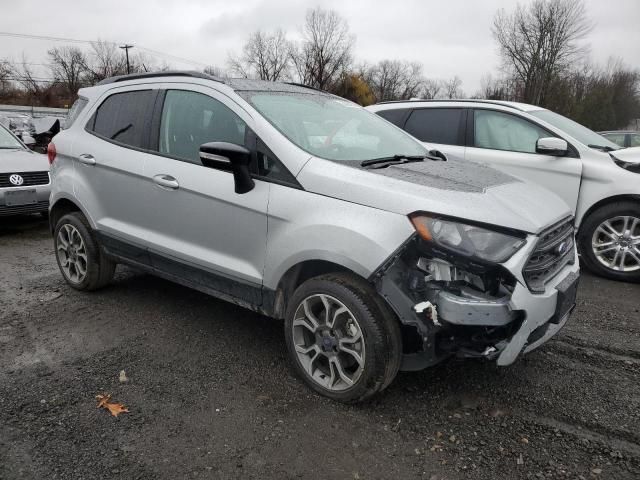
<point x="395" y="159"/>
<point x="604" y="148"/>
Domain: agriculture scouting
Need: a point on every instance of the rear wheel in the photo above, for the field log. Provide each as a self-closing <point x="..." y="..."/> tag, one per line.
<point x="82" y="263"/>
<point x="343" y="342"/>
<point x="609" y="241"/>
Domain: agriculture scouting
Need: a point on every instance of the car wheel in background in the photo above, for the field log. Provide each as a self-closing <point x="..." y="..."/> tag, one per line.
<point x="343" y="341"/>
<point x="81" y="261"/>
<point x="609" y="241"/>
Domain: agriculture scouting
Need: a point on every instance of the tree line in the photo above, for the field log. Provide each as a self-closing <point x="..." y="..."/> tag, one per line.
<point x="542" y="46"/>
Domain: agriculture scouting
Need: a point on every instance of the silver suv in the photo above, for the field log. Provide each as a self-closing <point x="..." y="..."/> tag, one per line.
<point x="378" y="254"/>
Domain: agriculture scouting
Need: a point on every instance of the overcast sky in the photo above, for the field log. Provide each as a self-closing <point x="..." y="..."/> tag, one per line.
<point x="450" y="37"/>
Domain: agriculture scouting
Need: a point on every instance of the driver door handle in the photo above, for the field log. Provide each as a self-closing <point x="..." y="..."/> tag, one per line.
<point x="87" y="159"/>
<point x="166" y="181"/>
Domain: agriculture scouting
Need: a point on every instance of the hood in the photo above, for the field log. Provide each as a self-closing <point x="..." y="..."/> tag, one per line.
<point x="15" y="161"/>
<point x="629" y="155"/>
<point x="455" y="188"/>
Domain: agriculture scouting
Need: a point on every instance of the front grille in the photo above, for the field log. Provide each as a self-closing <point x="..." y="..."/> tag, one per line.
<point x="554" y="250"/>
<point x="24" y="209"/>
<point x="29" y="179"/>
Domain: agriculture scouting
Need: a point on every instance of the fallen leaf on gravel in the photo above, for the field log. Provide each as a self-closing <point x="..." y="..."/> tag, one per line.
<point x="114" y="408"/>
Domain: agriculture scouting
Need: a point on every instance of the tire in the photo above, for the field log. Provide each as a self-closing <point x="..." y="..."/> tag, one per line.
<point x="83" y="251"/>
<point x="364" y="326"/>
<point x="589" y="234"/>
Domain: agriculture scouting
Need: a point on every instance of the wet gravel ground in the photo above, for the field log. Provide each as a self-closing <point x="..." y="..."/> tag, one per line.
<point x="210" y="393"/>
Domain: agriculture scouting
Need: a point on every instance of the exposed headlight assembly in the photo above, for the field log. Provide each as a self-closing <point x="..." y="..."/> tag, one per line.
<point x="466" y="239"/>
<point x="631" y="166"/>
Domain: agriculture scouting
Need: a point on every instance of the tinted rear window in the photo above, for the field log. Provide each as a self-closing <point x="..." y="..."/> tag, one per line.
<point x="121" y="117"/>
<point x="394" y="116"/>
<point x="436" y="125"/>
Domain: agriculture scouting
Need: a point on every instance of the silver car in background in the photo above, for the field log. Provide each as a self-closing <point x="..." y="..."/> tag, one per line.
<point x="303" y="206"/>
<point x="24" y="177"/>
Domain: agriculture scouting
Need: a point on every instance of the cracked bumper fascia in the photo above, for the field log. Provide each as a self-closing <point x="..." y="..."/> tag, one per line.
<point x="537" y="308"/>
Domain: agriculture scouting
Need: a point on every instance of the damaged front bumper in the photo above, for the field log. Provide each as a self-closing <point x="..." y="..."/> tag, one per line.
<point x="453" y="306"/>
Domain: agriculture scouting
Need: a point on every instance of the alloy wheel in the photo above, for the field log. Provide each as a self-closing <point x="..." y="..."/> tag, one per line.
<point x="72" y="253"/>
<point x="329" y="342"/>
<point x="616" y="243"/>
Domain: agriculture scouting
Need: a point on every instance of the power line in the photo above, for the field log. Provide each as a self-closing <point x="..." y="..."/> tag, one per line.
<point x="90" y="42"/>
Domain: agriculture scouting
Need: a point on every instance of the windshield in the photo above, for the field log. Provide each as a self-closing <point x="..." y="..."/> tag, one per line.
<point x="577" y="131"/>
<point x="8" y="141"/>
<point x="331" y="128"/>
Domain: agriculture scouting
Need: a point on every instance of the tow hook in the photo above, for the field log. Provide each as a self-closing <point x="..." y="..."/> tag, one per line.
<point x="430" y="310"/>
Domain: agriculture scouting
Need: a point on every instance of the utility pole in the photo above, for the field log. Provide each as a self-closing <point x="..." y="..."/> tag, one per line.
<point x="126" y="49"/>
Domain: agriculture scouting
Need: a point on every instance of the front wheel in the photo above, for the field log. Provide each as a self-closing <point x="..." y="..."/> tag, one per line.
<point x="609" y="241"/>
<point x="343" y="341"/>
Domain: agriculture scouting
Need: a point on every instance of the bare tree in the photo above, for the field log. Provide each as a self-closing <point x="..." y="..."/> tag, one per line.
<point x="539" y="40"/>
<point x="324" y="53"/>
<point x="431" y="88"/>
<point x="33" y="86"/>
<point x="215" y="71"/>
<point x="105" y="60"/>
<point x="266" y="56"/>
<point x="68" y="66"/>
<point x="396" y="80"/>
<point x="5" y="75"/>
<point x="452" y="89"/>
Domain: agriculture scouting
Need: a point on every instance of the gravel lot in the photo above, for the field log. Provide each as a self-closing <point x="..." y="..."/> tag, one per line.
<point x="210" y="393"/>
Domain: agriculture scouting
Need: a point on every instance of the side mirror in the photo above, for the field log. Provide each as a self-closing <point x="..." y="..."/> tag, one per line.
<point x="552" y="146"/>
<point x="437" y="154"/>
<point x="231" y="158"/>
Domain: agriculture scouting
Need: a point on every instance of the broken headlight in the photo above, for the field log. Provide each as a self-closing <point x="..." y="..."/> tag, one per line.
<point x="466" y="239"/>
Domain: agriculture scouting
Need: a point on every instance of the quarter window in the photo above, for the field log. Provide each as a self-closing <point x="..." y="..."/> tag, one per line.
<point x="436" y="125"/>
<point x="502" y="131"/>
<point x="121" y="117"/>
<point x="190" y="119"/>
<point x="74" y="111"/>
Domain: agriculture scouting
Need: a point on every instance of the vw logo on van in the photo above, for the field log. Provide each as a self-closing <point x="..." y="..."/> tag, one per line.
<point x="16" y="179"/>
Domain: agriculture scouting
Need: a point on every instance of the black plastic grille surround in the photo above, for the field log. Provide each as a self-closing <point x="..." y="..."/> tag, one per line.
<point x="29" y="179"/>
<point x="554" y="250"/>
<point x="24" y="209"/>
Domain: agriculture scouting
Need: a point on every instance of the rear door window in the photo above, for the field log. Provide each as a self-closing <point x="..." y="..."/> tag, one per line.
<point x="436" y="125"/>
<point x="123" y="117"/>
<point x="634" y="140"/>
<point x="394" y="116"/>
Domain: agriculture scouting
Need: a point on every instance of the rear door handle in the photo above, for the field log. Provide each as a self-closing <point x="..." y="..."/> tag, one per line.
<point x="166" y="181"/>
<point x="87" y="159"/>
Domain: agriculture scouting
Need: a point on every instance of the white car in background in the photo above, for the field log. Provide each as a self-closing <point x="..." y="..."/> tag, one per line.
<point x="598" y="179"/>
<point x="24" y="177"/>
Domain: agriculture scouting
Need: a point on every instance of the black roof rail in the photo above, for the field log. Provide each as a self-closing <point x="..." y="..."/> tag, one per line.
<point x="463" y="100"/>
<point x="168" y="73"/>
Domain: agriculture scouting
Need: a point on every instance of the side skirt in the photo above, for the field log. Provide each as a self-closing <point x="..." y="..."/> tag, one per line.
<point x="252" y="297"/>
